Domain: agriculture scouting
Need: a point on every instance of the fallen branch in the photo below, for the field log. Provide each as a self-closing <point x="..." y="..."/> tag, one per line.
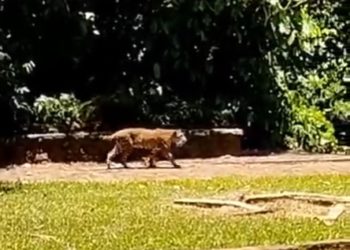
<point x="313" y="197"/>
<point x="46" y="237"/>
<point x="340" y="244"/>
<point x="250" y="212"/>
<point x="213" y="202"/>
<point x="333" y="214"/>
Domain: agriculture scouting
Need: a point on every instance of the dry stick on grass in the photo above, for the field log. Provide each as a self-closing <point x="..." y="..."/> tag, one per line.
<point x="214" y="202"/>
<point x="333" y="214"/>
<point x="46" y="237"/>
<point x="251" y="212"/>
<point x="313" y="197"/>
<point x="340" y="244"/>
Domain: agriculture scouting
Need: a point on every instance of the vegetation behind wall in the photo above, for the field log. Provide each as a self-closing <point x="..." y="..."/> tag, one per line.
<point x="272" y="67"/>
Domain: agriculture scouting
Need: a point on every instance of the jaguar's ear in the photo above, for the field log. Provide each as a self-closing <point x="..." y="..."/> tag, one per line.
<point x="177" y="133"/>
<point x="174" y="133"/>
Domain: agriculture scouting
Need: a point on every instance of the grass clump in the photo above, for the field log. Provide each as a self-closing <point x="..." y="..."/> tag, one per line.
<point x="140" y="215"/>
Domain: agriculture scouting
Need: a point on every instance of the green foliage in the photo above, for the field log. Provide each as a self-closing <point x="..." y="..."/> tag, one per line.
<point x="309" y="72"/>
<point x="141" y="215"/>
<point x="311" y="130"/>
<point x="272" y="67"/>
<point x="14" y="95"/>
<point x="341" y="110"/>
<point x="63" y="113"/>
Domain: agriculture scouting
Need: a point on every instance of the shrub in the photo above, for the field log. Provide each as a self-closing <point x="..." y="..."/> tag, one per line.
<point x="62" y="113"/>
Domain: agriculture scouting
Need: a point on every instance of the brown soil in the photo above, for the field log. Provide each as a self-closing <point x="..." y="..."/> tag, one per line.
<point x="285" y="164"/>
<point x="280" y="208"/>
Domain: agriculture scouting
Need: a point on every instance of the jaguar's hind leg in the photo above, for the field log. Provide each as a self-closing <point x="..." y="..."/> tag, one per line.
<point x="124" y="159"/>
<point x="111" y="154"/>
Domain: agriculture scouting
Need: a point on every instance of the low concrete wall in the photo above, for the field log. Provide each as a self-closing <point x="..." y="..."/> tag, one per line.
<point x="59" y="147"/>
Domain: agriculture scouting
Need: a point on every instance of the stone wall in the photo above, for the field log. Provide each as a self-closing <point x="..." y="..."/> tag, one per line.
<point x="59" y="147"/>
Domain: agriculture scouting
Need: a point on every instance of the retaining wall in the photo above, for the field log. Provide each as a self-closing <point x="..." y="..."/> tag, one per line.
<point x="82" y="146"/>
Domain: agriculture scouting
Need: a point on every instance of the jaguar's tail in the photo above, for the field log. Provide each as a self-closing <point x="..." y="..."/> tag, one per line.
<point x="108" y="137"/>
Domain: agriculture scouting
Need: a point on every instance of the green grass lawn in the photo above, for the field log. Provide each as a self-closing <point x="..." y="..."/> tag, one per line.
<point x="140" y="215"/>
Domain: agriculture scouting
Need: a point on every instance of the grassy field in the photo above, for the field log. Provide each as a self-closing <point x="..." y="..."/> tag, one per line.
<point x="140" y="215"/>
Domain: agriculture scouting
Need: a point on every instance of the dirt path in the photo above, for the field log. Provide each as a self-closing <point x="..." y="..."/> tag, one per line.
<point x="286" y="164"/>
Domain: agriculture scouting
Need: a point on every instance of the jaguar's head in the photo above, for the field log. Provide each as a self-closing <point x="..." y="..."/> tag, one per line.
<point x="179" y="138"/>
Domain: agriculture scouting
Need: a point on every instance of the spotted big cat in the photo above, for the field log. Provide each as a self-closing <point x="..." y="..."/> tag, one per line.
<point x="155" y="142"/>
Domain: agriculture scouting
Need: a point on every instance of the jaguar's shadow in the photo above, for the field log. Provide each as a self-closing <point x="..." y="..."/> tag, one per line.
<point x="143" y="168"/>
<point x="135" y="161"/>
<point x="138" y="165"/>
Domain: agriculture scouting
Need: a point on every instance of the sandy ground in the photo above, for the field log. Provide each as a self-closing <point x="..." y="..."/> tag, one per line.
<point x="285" y="164"/>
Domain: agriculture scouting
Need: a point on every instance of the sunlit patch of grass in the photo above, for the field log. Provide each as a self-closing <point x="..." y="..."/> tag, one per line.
<point x="140" y="215"/>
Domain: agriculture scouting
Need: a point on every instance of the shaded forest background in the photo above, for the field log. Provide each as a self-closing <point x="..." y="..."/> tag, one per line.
<point x="276" y="68"/>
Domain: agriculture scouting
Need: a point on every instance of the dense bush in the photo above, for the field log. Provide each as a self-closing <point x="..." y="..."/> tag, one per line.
<point x="309" y="71"/>
<point x="272" y="67"/>
<point x="63" y="113"/>
<point x="14" y="108"/>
